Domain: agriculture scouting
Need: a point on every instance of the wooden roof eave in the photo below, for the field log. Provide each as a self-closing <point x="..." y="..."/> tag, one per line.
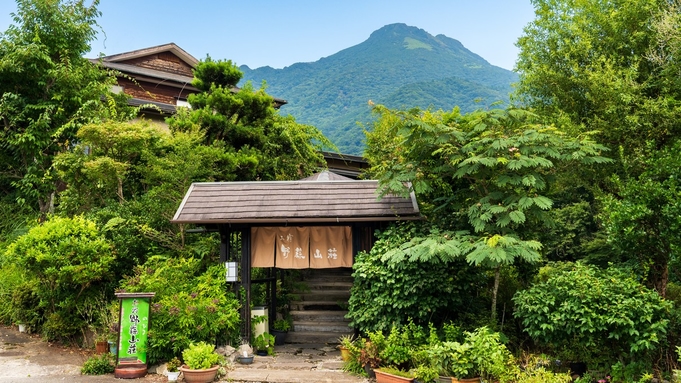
<point x="323" y="220"/>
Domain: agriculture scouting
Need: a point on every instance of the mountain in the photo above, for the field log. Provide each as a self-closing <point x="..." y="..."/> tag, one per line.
<point x="399" y="66"/>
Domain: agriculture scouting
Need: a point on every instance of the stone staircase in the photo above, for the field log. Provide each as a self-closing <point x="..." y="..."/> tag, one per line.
<point x="319" y="314"/>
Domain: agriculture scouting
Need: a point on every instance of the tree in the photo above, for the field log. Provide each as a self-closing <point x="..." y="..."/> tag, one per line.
<point x="486" y="175"/>
<point x="611" y="67"/>
<point x="259" y="144"/>
<point x="587" y="66"/>
<point x="643" y="219"/>
<point x="47" y="91"/>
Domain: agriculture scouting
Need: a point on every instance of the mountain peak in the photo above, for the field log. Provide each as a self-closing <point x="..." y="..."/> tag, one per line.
<point x="399" y="66"/>
<point x="399" y="30"/>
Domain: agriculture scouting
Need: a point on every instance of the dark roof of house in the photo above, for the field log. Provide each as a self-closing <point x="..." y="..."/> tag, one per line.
<point x="185" y="81"/>
<point x="286" y="202"/>
<point x="155" y="75"/>
<point x="170" y="47"/>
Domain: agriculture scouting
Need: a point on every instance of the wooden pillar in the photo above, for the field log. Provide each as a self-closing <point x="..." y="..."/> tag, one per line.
<point x="273" y="296"/>
<point x="224" y="243"/>
<point x="246" y="284"/>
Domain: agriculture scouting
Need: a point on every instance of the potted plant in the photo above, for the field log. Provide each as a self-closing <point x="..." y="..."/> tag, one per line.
<point x="101" y="343"/>
<point x="393" y="375"/>
<point x="279" y="330"/>
<point x="201" y="363"/>
<point x="264" y="344"/>
<point x="369" y="358"/>
<point x="345" y="345"/>
<point x="425" y="374"/>
<point x="173" y="366"/>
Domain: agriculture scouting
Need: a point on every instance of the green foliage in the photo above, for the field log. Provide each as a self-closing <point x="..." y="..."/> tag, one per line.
<point x="643" y="218"/>
<point x="98" y="169"/>
<point x="265" y="342"/>
<point x="281" y="325"/>
<point x="385" y="294"/>
<point x="41" y="113"/>
<point x="483" y="178"/>
<point x="258" y="144"/>
<point x="98" y="365"/>
<point x="13" y="284"/>
<point x="200" y="356"/>
<point x="191" y="304"/>
<point x="69" y="263"/>
<point x="602" y="65"/>
<point x="173" y="364"/>
<point x="593" y="314"/>
<point x="536" y="371"/>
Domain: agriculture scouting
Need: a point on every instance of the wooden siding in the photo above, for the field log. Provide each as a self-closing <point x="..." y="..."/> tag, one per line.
<point x="153" y="92"/>
<point x="291" y="201"/>
<point x="164" y="62"/>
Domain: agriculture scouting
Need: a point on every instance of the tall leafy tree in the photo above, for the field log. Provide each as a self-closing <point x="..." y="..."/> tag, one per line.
<point x="611" y="66"/>
<point x="587" y="65"/>
<point x="484" y="177"/>
<point x="47" y="91"/>
<point x="260" y="144"/>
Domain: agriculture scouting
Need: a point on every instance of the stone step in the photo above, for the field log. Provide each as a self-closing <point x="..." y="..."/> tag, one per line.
<point x="329" y="285"/>
<point x="325" y="295"/>
<point x="317" y="305"/>
<point x="321" y="326"/>
<point x="320" y="315"/>
<point x="316" y="337"/>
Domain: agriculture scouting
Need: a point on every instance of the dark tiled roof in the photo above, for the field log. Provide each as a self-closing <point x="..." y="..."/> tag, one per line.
<point x="153" y="73"/>
<point x="291" y="202"/>
<point x="170" y="47"/>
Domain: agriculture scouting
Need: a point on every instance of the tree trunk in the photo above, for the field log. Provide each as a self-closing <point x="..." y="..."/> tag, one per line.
<point x="497" y="276"/>
<point x="659" y="275"/>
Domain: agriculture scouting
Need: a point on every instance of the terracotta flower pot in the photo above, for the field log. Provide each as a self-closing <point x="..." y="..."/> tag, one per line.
<point x="199" y="376"/>
<point x="467" y="380"/>
<point x="384" y="377"/>
<point x="101" y="347"/>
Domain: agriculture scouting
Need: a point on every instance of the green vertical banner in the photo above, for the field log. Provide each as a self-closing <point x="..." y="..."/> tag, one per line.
<point x="134" y="325"/>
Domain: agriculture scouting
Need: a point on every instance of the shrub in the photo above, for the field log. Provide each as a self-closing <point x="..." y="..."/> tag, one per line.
<point x="191" y="304"/>
<point x="200" y="356"/>
<point x="70" y="262"/>
<point x="98" y="365"/>
<point x="389" y="293"/>
<point x="598" y="314"/>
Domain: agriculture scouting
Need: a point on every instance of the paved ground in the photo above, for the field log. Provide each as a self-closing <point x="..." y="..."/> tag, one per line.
<point x="26" y="358"/>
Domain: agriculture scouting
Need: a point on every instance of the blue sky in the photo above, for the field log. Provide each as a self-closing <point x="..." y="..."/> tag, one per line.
<point x="279" y="33"/>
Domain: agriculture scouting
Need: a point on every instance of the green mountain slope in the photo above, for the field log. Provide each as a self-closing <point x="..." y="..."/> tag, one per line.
<point x="399" y="66"/>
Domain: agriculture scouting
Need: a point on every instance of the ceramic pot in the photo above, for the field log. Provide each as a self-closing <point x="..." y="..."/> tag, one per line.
<point x="172" y="376"/>
<point x="245" y="359"/>
<point x="345" y="353"/>
<point x="370" y="371"/>
<point x="279" y="337"/>
<point x="384" y="377"/>
<point x="199" y="376"/>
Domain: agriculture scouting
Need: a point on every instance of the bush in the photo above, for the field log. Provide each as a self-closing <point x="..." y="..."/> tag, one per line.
<point x="191" y="304"/>
<point x="200" y="356"/>
<point x="599" y="315"/>
<point x="98" y="365"/>
<point x="69" y="262"/>
<point x="385" y="294"/>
